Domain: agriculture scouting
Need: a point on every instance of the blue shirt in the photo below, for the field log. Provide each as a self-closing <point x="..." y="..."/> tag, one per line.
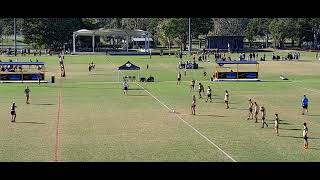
<point x="305" y="101"/>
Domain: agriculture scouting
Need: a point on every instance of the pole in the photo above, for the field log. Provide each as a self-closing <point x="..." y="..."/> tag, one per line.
<point x="74" y="43"/>
<point x="169" y="46"/>
<point x="148" y="43"/>
<point x="190" y="45"/>
<point x="145" y="42"/>
<point x="93" y="38"/>
<point x="127" y="43"/>
<point x="15" y="36"/>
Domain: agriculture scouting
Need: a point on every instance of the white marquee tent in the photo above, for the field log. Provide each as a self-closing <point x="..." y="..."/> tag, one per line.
<point x="124" y="33"/>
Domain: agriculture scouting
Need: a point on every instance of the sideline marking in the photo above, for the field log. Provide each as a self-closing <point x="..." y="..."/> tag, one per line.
<point x="57" y="142"/>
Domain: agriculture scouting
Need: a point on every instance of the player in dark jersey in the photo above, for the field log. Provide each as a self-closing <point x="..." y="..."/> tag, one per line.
<point x="256" y="111"/>
<point x="201" y="90"/>
<point x="13" y="112"/>
<point x="27" y="93"/>
<point x="263" y="112"/>
<point x="250" y="116"/>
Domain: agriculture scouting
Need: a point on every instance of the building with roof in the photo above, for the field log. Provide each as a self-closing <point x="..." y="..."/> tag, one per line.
<point x="232" y="43"/>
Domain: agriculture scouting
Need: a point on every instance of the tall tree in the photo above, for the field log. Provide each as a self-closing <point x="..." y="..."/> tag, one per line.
<point x="50" y="32"/>
<point x="278" y="29"/>
<point x="230" y="26"/>
<point x="178" y="28"/>
<point x="315" y="26"/>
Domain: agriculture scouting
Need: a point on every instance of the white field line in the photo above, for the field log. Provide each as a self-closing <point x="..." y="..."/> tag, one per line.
<point x="206" y="138"/>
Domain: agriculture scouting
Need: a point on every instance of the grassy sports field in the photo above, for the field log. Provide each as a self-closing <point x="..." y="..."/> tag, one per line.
<point x="87" y="118"/>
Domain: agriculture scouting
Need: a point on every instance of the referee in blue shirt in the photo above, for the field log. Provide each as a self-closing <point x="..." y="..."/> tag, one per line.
<point x="305" y="102"/>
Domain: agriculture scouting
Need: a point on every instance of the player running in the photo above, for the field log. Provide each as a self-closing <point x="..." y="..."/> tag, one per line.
<point x="305" y="102"/>
<point x="256" y="111"/>
<point x="209" y="94"/>
<point x="276" y="124"/>
<point x="305" y="136"/>
<point x="226" y="99"/>
<point x="27" y="93"/>
<point x="193" y="105"/>
<point x="13" y="112"/>
<point x="263" y="112"/>
<point x="250" y="116"/>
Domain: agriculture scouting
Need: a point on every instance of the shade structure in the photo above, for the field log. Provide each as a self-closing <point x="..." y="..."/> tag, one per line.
<point x="221" y="74"/>
<point x="128" y="66"/>
<point x="115" y="33"/>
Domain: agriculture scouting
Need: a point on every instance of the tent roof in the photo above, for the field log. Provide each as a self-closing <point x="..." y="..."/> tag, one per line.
<point x="111" y="32"/>
<point x="128" y="66"/>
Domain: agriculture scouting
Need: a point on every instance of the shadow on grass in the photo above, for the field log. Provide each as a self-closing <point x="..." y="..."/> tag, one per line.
<point x="212" y="115"/>
<point x="136" y="89"/>
<point x="299" y="137"/>
<point x="315" y="148"/>
<point x="224" y="103"/>
<point x="294" y="129"/>
<point x="44" y="104"/>
<point x="313" y="115"/>
<point x="280" y="123"/>
<point x="137" y="95"/>
<point x="30" y="122"/>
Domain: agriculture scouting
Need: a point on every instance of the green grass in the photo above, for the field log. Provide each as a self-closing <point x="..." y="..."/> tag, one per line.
<point x="98" y="123"/>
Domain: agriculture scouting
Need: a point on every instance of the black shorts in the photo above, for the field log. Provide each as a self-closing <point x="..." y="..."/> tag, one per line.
<point x="209" y="95"/>
<point x="193" y="105"/>
<point x="13" y="113"/>
<point x="225" y="101"/>
<point x="263" y="118"/>
<point x="179" y="79"/>
<point x="125" y="88"/>
<point x="192" y="86"/>
<point x="250" y="109"/>
<point x="305" y="106"/>
<point x="305" y="137"/>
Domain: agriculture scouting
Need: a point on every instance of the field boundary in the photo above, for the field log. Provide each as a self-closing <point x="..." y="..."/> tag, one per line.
<point x="57" y="137"/>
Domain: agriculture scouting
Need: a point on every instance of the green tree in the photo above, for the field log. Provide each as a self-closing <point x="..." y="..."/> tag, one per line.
<point x="50" y="32"/>
<point x="278" y="30"/>
<point x="178" y="29"/>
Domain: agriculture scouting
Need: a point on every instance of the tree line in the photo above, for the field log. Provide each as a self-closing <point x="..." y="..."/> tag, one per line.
<point x="55" y="32"/>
